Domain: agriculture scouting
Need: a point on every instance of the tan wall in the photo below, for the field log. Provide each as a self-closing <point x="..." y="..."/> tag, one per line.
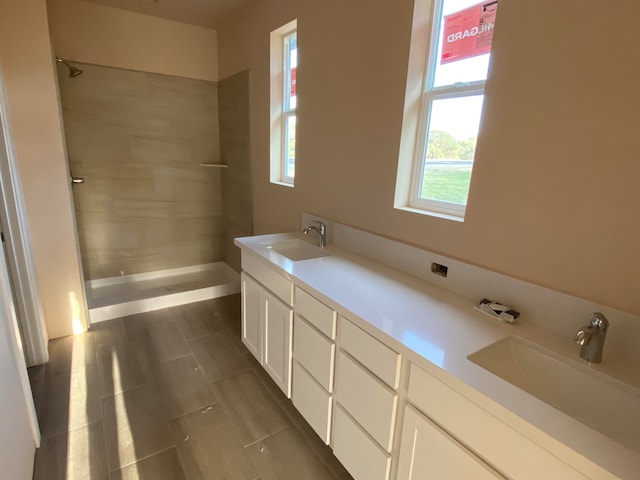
<point x="91" y="33"/>
<point x="139" y="139"/>
<point x="554" y="196"/>
<point x="27" y="63"/>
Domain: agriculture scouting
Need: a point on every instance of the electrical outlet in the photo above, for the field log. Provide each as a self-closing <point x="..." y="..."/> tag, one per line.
<point x="439" y="269"/>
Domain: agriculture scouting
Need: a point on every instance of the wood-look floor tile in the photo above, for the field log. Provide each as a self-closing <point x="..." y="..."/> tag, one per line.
<point x="161" y="466"/>
<point x="135" y="425"/>
<point x="136" y="324"/>
<point x="212" y="422"/>
<point x="70" y="400"/>
<point x="37" y="382"/>
<point x="232" y="322"/>
<point x="315" y="443"/>
<point x="138" y="321"/>
<point x="286" y="456"/>
<point x="166" y="341"/>
<point x="196" y="320"/>
<point x="264" y="377"/>
<point x="111" y="332"/>
<point x="217" y="356"/>
<point x="210" y="448"/>
<point x="344" y="475"/>
<point x="183" y="386"/>
<point x="251" y="407"/>
<point x="71" y="353"/>
<point x="292" y="412"/>
<point x="123" y="367"/>
<point x="235" y="339"/>
<point x="76" y="455"/>
<point x="228" y="308"/>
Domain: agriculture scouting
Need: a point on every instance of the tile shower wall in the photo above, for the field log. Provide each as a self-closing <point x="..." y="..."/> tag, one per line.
<point x="233" y="97"/>
<point x="138" y="139"/>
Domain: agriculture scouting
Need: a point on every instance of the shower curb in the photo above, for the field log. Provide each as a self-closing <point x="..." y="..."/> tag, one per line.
<point x="162" y="296"/>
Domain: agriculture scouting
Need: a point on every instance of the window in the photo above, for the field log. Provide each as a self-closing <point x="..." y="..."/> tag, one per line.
<point x="448" y="67"/>
<point x="284" y="63"/>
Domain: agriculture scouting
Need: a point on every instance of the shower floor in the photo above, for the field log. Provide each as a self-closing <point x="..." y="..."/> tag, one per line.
<point x="116" y="297"/>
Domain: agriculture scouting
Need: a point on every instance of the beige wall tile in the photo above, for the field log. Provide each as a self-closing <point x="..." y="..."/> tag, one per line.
<point x="158" y="151"/>
<point x="236" y="198"/>
<point x="139" y="138"/>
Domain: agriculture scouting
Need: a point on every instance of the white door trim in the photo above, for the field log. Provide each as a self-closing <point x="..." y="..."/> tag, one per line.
<point x="18" y="241"/>
<point x="34" y="340"/>
<point x="7" y="312"/>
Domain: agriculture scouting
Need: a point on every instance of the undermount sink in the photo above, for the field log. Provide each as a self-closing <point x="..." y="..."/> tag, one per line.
<point x="296" y="250"/>
<point x="600" y="402"/>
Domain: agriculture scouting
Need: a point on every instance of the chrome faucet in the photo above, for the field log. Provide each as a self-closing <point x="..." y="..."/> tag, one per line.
<point x="591" y="338"/>
<point x="322" y="233"/>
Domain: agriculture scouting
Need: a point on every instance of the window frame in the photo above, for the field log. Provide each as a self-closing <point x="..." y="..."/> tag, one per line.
<point x="280" y="110"/>
<point x="420" y="158"/>
<point x="287" y="111"/>
<point x="418" y="109"/>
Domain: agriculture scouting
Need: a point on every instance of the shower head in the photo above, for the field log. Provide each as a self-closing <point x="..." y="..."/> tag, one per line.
<point x="73" y="71"/>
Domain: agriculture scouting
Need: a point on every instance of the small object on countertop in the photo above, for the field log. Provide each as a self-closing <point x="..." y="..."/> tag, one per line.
<point x="497" y="310"/>
<point x="496" y="307"/>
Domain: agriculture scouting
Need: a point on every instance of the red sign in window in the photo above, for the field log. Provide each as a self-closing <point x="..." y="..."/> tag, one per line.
<point x="293" y="82"/>
<point x="468" y="33"/>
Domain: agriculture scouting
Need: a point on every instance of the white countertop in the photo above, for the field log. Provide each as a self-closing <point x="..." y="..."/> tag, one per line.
<point x="433" y="327"/>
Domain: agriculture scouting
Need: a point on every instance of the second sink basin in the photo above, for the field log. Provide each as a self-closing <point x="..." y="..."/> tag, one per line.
<point x="296" y="250"/>
<point x="602" y="403"/>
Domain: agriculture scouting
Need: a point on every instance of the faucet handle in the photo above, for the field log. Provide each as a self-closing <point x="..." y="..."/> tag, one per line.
<point x="581" y="338"/>
<point x="599" y="320"/>
<point x="321" y="226"/>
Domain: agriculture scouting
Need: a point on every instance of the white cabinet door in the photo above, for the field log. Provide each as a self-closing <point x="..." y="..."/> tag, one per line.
<point x="277" y="332"/>
<point x="427" y="452"/>
<point x="267" y="331"/>
<point x="252" y="313"/>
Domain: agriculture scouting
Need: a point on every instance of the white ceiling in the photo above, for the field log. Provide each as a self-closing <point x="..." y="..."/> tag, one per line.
<point x="206" y="13"/>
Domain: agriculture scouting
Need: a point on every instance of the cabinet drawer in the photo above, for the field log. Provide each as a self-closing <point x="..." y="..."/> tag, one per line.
<point x="314" y="352"/>
<point x="360" y="455"/>
<point x="312" y="402"/>
<point x="483" y="433"/>
<point x="280" y="286"/>
<point x="426" y="451"/>
<point x="371" y="403"/>
<point x="316" y="313"/>
<point x="378" y="358"/>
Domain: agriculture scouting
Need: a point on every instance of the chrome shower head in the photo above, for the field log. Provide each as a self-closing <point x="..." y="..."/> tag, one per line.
<point x="73" y="71"/>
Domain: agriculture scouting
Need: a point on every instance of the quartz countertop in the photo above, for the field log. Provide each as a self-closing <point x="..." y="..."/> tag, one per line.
<point x="437" y="330"/>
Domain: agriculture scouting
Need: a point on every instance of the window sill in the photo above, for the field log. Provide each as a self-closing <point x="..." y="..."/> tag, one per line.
<point x="282" y="184"/>
<point x="431" y="213"/>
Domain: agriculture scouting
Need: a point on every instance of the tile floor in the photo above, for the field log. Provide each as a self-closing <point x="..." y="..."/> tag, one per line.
<point x="171" y="394"/>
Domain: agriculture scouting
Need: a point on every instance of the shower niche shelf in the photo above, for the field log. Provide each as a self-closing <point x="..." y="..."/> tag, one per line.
<point x="214" y="165"/>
